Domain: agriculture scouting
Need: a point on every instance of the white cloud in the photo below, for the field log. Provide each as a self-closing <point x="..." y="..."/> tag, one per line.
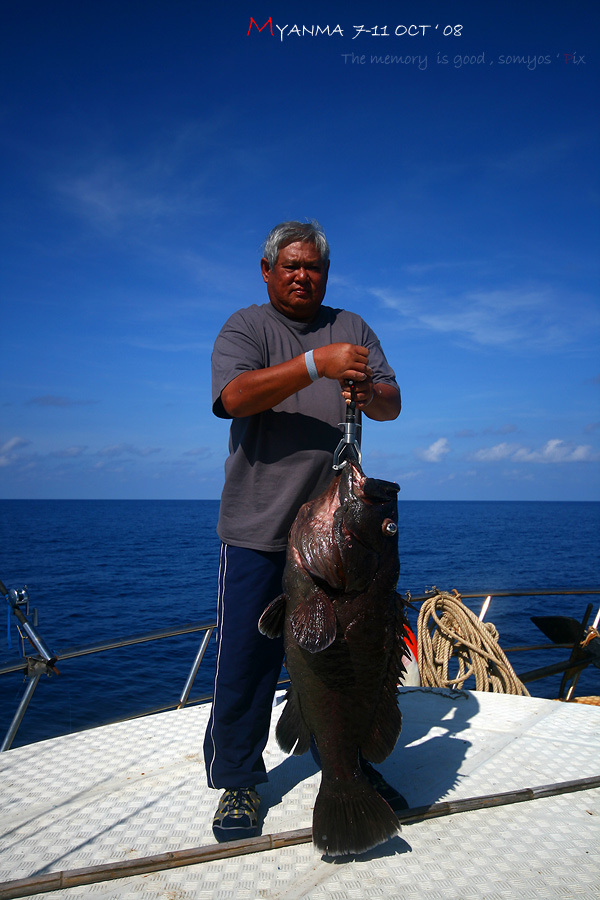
<point x="553" y="451"/>
<point x="116" y="191"/>
<point x="502" y="429"/>
<point x="556" y="451"/>
<point x="531" y="317"/>
<point x="199" y="452"/>
<point x="127" y="450"/>
<point x="410" y="476"/>
<point x="13" y="443"/>
<point x="8" y="448"/>
<point x="113" y="194"/>
<point x="435" y="452"/>
<point x="533" y="159"/>
<point x="442" y="265"/>
<point x="493" y="454"/>
<point x="69" y="452"/>
<point x="156" y="346"/>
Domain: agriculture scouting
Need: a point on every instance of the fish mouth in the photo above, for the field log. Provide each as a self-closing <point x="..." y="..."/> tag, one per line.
<point x="354" y="485"/>
<point x="377" y="491"/>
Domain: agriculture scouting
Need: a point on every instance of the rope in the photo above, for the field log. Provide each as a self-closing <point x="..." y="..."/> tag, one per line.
<point x="447" y="628"/>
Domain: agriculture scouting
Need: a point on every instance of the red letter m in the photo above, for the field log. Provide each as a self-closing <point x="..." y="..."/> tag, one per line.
<point x="268" y="22"/>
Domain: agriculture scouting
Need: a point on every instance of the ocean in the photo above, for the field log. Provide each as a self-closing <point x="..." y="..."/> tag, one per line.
<point x="100" y="569"/>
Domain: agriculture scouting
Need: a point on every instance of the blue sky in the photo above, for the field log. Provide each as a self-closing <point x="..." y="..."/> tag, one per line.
<point x="148" y="147"/>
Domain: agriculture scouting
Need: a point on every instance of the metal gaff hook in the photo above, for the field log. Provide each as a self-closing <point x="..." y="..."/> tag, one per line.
<point x="349" y="445"/>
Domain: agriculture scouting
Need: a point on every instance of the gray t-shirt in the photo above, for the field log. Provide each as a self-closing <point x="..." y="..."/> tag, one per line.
<point x="280" y="458"/>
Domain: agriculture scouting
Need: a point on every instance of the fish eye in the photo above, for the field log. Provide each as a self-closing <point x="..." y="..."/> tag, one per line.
<point x="389" y="527"/>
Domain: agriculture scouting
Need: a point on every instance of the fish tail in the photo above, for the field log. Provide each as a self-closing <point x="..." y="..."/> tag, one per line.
<point x="351" y="817"/>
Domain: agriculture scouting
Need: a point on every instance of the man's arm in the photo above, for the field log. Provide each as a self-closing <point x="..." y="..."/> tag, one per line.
<point x="260" y="389"/>
<point x="385" y="405"/>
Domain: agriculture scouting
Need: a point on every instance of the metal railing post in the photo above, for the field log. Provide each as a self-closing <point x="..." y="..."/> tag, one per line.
<point x="194" y="670"/>
<point x="18" y="716"/>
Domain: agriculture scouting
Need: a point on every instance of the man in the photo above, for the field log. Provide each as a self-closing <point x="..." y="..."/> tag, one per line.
<point x="280" y="372"/>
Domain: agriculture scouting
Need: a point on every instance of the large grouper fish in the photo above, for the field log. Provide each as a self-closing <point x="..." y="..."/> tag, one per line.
<point x="343" y="626"/>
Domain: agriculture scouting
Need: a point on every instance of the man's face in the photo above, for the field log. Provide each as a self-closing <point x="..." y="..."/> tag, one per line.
<point x="296" y="283"/>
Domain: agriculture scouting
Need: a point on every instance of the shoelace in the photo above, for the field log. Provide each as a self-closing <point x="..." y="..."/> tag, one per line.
<point x="239" y="801"/>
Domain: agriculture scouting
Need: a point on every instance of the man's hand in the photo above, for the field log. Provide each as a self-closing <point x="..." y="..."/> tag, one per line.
<point x="363" y="392"/>
<point x="342" y="362"/>
<point x="378" y="401"/>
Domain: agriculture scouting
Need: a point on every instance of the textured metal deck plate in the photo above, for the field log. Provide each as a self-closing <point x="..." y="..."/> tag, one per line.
<point x="138" y="788"/>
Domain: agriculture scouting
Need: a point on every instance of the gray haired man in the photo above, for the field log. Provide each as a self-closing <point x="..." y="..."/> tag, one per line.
<point x="280" y="372"/>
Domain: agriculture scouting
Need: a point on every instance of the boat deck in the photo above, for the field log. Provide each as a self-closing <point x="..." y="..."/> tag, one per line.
<point x="138" y="788"/>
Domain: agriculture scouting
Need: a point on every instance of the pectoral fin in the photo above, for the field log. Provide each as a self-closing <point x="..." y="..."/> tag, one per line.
<point x="313" y="622"/>
<point x="271" y="622"/>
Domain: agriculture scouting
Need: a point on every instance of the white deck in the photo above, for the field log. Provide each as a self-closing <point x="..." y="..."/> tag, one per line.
<point x="138" y="788"/>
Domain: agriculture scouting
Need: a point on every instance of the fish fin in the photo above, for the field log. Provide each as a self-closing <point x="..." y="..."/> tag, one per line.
<point x="387" y="718"/>
<point x="271" y="622"/>
<point x="292" y="732"/>
<point x="313" y="622"/>
<point x="351" y="817"/>
<point x="378" y="745"/>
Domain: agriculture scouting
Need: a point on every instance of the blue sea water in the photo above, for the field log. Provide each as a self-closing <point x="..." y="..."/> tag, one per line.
<point x="96" y="570"/>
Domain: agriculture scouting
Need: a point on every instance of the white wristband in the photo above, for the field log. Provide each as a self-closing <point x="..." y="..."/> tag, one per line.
<point x="310" y="366"/>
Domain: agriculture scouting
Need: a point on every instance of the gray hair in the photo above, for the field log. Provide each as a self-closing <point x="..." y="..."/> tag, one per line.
<point x="290" y="232"/>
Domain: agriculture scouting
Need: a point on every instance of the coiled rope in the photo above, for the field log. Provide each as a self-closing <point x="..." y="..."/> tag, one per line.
<point x="447" y="628"/>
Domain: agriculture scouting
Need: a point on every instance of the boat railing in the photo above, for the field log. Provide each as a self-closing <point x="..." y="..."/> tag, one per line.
<point x="43" y="661"/>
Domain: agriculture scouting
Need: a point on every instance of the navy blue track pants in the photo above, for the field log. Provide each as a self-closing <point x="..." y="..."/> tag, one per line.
<point x="248" y="666"/>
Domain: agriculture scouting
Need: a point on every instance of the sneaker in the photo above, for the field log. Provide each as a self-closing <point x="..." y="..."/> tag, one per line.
<point x="236" y="817"/>
<point x="392" y="797"/>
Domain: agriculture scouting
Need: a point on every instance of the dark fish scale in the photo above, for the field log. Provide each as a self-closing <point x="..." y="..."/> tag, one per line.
<point x="343" y="627"/>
